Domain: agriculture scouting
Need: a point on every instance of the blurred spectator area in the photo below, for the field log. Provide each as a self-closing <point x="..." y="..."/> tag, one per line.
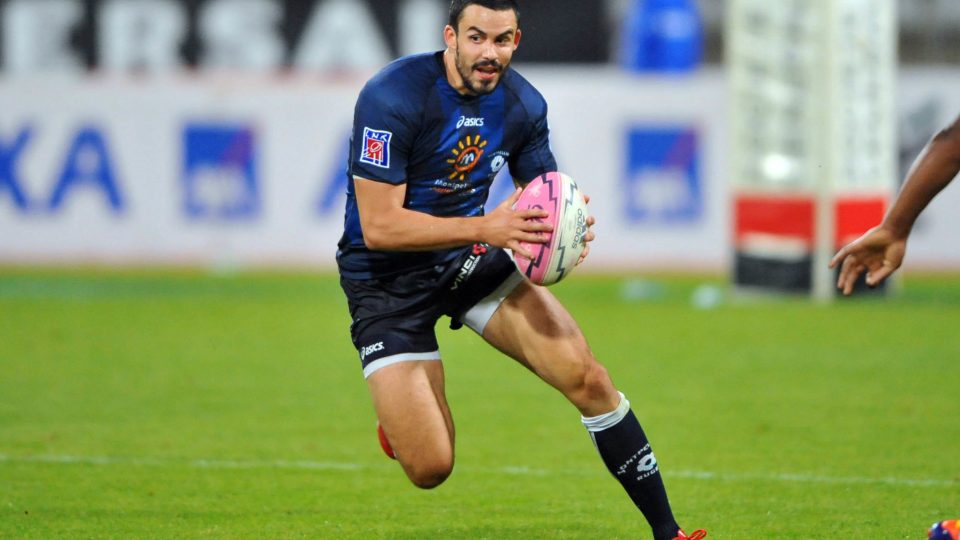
<point x="303" y="33"/>
<point x="929" y="29"/>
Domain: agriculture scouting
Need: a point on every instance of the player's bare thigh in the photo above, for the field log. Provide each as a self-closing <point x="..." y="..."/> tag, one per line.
<point x="534" y="328"/>
<point x="411" y="405"/>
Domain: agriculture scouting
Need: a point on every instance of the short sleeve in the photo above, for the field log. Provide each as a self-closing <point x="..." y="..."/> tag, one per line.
<point x="534" y="156"/>
<point x="381" y="140"/>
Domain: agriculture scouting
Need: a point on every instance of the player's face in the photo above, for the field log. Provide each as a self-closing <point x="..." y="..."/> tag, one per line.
<point x="482" y="48"/>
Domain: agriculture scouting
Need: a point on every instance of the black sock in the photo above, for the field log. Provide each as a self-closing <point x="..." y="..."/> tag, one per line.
<point x="628" y="456"/>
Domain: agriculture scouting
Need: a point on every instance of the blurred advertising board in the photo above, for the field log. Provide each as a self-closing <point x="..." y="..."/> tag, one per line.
<point x="250" y="170"/>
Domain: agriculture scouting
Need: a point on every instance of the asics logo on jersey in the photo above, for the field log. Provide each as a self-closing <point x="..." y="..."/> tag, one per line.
<point x="469" y="122"/>
<point x="370" y="349"/>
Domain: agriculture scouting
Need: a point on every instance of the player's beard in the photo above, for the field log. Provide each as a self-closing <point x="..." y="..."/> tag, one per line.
<point x="480" y="87"/>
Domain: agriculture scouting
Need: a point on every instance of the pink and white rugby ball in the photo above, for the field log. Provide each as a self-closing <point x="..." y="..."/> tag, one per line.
<point x="560" y="196"/>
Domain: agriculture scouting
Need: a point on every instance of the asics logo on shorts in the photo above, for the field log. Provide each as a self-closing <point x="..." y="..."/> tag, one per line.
<point x="370" y="349"/>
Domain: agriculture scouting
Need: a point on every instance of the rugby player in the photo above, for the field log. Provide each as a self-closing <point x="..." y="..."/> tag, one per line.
<point x="430" y="133"/>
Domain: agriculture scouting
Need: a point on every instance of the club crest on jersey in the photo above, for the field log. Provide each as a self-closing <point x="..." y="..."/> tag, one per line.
<point x="376" y="147"/>
<point x="499" y="160"/>
<point x="466" y="154"/>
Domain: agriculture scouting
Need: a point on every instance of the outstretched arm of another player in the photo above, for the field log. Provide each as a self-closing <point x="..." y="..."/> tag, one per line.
<point x="388" y="226"/>
<point x="880" y="251"/>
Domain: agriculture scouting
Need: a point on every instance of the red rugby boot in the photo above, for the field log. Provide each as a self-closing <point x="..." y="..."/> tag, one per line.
<point x="697" y="535"/>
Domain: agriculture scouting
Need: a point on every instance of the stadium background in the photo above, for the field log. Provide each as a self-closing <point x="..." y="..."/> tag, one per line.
<point x="134" y="167"/>
<point x="174" y="359"/>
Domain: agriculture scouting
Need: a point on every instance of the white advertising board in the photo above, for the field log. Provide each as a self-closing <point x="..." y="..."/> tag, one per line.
<point x="208" y="170"/>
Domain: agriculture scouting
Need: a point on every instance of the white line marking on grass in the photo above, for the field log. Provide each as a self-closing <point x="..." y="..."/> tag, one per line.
<point x="510" y="470"/>
<point x="813" y="478"/>
<point x="192" y="463"/>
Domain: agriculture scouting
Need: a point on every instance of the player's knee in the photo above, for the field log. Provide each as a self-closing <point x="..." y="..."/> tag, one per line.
<point x="430" y="474"/>
<point x="596" y="381"/>
<point x="591" y="386"/>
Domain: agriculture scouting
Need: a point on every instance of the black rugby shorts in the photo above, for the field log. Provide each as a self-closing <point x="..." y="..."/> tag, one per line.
<point x="394" y="318"/>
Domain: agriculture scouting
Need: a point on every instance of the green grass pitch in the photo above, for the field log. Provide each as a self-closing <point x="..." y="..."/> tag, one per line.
<point x="178" y="405"/>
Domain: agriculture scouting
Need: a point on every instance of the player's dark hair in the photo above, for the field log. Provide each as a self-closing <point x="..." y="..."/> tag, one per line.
<point x="457" y="7"/>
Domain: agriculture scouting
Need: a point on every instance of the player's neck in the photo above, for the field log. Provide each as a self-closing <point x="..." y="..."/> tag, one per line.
<point x="453" y="74"/>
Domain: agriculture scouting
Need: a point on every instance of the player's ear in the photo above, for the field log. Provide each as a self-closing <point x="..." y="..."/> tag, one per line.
<point x="516" y="39"/>
<point x="450" y="37"/>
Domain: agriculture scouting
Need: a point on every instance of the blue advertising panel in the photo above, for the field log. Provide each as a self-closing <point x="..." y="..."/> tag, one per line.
<point x="220" y="173"/>
<point x="662" y="180"/>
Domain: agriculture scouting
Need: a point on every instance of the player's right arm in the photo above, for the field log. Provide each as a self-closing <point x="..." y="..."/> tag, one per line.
<point x="388" y="226"/>
<point x="880" y="251"/>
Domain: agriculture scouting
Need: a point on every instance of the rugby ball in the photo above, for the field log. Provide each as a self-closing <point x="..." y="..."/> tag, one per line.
<point x="560" y="196"/>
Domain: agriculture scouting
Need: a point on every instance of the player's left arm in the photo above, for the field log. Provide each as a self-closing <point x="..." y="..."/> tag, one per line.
<point x="389" y="226"/>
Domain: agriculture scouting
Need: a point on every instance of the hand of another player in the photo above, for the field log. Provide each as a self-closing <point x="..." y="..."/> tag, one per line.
<point x="589" y="236"/>
<point x="506" y="227"/>
<point x="878" y="252"/>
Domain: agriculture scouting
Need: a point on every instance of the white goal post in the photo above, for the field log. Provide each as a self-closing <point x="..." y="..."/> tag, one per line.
<point x="813" y="146"/>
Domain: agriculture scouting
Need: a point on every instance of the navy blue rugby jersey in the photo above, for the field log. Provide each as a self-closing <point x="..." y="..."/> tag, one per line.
<point x="410" y="126"/>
